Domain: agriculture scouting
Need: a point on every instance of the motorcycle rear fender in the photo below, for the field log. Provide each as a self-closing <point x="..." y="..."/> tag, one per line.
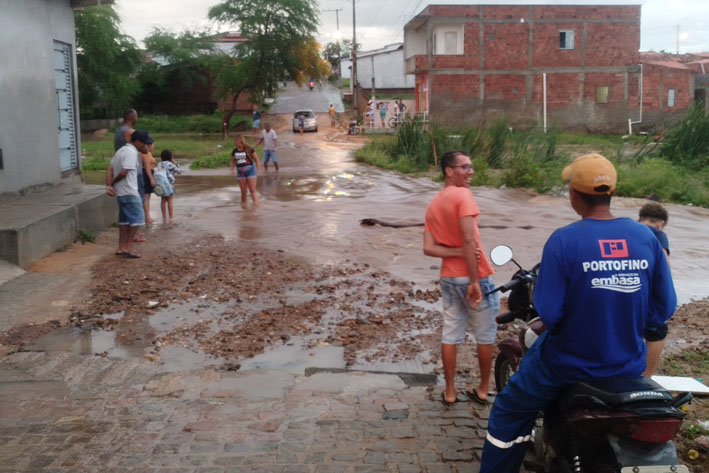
<point x="512" y="350"/>
<point x="630" y="452"/>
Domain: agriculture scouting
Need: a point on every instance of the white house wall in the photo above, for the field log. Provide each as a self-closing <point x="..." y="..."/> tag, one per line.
<point x="28" y="104"/>
<point x="388" y="71"/>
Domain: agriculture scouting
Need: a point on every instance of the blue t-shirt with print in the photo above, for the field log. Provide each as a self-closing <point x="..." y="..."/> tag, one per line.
<point x="601" y="282"/>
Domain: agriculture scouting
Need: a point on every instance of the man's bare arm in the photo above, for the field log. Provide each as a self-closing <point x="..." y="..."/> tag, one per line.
<point x="431" y="248"/>
<point x="109" y="181"/>
<point x="470" y="246"/>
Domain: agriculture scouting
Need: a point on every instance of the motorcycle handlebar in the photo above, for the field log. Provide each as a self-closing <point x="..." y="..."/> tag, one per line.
<point x="505" y="318"/>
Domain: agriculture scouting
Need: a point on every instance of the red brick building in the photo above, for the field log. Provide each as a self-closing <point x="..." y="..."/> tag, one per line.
<point x="475" y="63"/>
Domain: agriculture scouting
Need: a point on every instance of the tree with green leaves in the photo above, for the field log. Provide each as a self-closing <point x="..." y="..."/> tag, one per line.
<point x="337" y="50"/>
<point x="280" y="46"/>
<point x="106" y="60"/>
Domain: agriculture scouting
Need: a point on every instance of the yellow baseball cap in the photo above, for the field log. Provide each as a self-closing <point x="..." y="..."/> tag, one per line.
<point x="591" y="174"/>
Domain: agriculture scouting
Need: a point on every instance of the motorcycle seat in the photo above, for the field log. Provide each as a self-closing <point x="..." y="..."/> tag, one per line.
<point x="614" y="392"/>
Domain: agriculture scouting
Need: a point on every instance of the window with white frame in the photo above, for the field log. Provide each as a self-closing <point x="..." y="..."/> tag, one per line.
<point x="566" y="39"/>
<point x="670" y="97"/>
<point x="448" y="39"/>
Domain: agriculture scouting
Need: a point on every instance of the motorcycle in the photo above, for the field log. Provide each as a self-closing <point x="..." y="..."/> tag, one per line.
<point x="311" y="84"/>
<point x="354" y="128"/>
<point x="609" y="425"/>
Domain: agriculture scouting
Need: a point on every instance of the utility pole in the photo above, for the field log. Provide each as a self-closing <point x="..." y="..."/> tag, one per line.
<point x="353" y="78"/>
<point x="339" y="45"/>
<point x="678" y="40"/>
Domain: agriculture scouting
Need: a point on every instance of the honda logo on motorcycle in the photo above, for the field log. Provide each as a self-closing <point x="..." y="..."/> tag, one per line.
<point x="613" y="248"/>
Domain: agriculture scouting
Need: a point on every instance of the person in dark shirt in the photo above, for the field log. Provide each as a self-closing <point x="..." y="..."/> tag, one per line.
<point x="655" y="217"/>
<point x="244" y="165"/>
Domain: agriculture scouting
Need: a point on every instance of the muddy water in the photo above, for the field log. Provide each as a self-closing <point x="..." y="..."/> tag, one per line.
<point x="312" y="207"/>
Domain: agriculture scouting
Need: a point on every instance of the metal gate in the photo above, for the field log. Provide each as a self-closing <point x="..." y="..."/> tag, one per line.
<point x="66" y="116"/>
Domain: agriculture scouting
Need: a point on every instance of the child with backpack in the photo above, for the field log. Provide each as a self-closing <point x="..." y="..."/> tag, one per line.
<point x="164" y="176"/>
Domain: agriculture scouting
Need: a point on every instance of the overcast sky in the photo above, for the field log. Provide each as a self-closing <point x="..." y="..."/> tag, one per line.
<point x="381" y="22"/>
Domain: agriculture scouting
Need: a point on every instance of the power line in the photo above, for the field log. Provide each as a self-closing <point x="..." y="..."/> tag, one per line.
<point x="401" y="22"/>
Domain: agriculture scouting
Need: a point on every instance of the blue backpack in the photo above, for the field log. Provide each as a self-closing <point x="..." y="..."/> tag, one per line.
<point x="163" y="188"/>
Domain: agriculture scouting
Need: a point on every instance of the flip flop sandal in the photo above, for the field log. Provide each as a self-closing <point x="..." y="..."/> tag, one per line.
<point x="130" y="254"/>
<point x="473" y="396"/>
<point x="447" y="403"/>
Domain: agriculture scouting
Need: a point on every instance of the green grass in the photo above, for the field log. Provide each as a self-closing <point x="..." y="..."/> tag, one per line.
<point x="396" y="96"/>
<point x="670" y="182"/>
<point x="600" y="140"/>
<point x="377" y="152"/>
<point x="189" y="123"/>
<point x="212" y="161"/>
<point x="96" y="155"/>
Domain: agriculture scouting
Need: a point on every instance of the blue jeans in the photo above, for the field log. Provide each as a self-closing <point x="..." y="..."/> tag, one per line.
<point x="130" y="211"/>
<point x="512" y="418"/>
<point x="457" y="310"/>
<point x="268" y="155"/>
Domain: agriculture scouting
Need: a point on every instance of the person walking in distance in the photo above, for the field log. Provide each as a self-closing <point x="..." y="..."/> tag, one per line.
<point x="331" y="113"/>
<point x="269" y="140"/>
<point x="244" y="165"/>
<point x="602" y="280"/>
<point x="655" y="217"/>
<point x="256" y="119"/>
<point x="451" y="232"/>
<point x="124" y="185"/>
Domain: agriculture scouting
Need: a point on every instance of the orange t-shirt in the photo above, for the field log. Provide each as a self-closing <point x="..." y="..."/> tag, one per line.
<point x="442" y="221"/>
<point x="149" y="161"/>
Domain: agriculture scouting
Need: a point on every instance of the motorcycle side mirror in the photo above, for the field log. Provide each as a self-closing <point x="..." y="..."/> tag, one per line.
<point x="501" y="255"/>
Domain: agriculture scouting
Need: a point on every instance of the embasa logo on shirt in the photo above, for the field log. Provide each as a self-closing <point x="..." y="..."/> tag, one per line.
<point x="613" y="248"/>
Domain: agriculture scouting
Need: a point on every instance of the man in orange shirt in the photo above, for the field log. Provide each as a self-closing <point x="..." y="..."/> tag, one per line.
<point x="451" y="233"/>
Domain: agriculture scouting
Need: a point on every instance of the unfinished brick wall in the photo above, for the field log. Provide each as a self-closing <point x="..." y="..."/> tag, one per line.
<point x="614" y="82"/>
<point x="506" y="46"/>
<point x="510" y="87"/>
<point x="658" y="80"/>
<point x="586" y="12"/>
<point x="519" y="43"/>
<point x="612" y="44"/>
<point x="456" y="86"/>
<point x="546" y="45"/>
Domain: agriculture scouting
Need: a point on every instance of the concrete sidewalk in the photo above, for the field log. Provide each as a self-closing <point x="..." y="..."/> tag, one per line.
<point x="88" y="414"/>
<point x="37" y="224"/>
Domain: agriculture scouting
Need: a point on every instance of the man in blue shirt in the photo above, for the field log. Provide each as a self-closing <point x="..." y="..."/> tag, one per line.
<point x="602" y="280"/>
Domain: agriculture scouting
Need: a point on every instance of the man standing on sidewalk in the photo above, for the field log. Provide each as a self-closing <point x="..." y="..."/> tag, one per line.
<point x="124" y="183"/>
<point x="451" y="233"/>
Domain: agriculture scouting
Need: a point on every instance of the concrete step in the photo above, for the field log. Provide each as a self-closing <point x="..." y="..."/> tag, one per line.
<point x="37" y="224"/>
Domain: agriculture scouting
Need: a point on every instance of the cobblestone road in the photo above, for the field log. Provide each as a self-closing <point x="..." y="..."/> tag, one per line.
<point x="70" y="413"/>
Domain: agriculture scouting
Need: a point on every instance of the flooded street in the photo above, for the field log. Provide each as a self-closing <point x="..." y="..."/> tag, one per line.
<point x="313" y="205"/>
<point x="280" y="338"/>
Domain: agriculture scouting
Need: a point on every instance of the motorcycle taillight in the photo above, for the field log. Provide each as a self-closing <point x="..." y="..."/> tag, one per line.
<point x="655" y="430"/>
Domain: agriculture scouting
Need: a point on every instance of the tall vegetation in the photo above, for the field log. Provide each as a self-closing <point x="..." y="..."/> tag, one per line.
<point x="674" y="170"/>
<point x="687" y="143"/>
<point x="107" y="61"/>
